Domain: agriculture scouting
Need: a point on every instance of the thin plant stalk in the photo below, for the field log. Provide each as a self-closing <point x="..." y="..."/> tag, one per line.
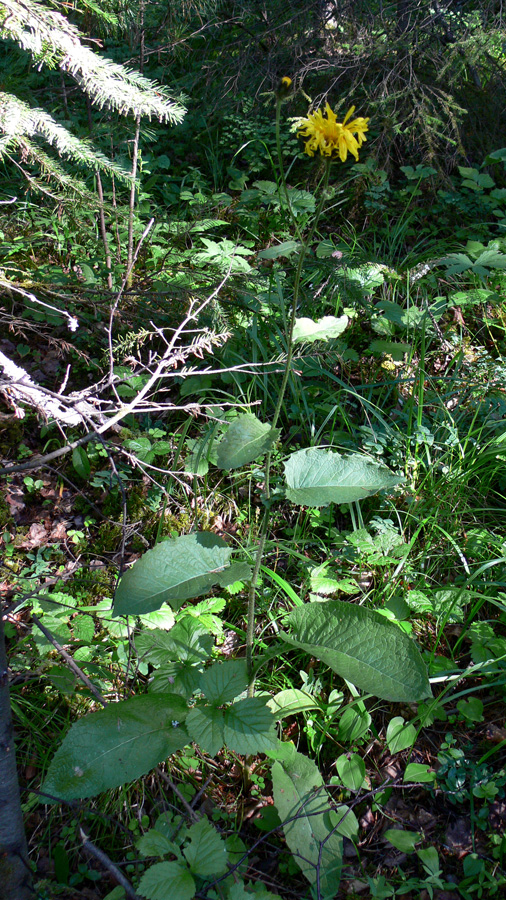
<point x="306" y="242"/>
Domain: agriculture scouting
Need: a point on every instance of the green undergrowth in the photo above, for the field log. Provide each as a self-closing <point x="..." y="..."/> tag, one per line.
<point x="345" y="739"/>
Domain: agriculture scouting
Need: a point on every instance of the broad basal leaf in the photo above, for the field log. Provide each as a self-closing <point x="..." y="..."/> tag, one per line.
<point x="116" y="745"/>
<point x="249" y="727"/>
<point x="319" y="477"/>
<point x="205" y="727"/>
<point x="175" y="571"/>
<point x="322" y="330"/>
<point x="362" y="646"/>
<point x="246" y="440"/>
<point x="304" y="807"/>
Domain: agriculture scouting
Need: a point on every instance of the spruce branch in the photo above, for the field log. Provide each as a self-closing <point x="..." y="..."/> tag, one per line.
<point x="18" y="122"/>
<point x="53" y="41"/>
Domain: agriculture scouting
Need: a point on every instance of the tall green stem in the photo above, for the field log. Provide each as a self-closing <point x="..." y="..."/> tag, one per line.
<point x="305" y="244"/>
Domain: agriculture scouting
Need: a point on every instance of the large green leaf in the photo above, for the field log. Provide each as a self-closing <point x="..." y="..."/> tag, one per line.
<point x="303" y="806"/>
<point x="319" y="477"/>
<point x="205" y="727"/>
<point x="362" y="646"/>
<point x="247" y="439"/>
<point x="224" y="680"/>
<point x="249" y="727"/>
<point x="206" y="853"/>
<point x="322" y="330"/>
<point x="167" y="879"/>
<point x="174" y="571"/>
<point x="116" y="745"/>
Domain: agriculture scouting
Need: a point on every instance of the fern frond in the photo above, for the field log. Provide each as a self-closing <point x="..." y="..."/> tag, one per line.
<point x="54" y="41"/>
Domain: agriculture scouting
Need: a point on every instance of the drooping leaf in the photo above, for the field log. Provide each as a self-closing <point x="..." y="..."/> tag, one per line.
<point x="206" y="853"/>
<point x="205" y="727"/>
<point x="174" y="571"/>
<point x="319" y="477"/>
<point x="286" y="248"/>
<point x="363" y="647"/>
<point x="246" y="440"/>
<point x="471" y="709"/>
<point x="403" y="317"/>
<point x="116" y="745"/>
<point x="304" y="808"/>
<point x="322" y="330"/>
<point x="167" y="879"/>
<point x="249" y="726"/>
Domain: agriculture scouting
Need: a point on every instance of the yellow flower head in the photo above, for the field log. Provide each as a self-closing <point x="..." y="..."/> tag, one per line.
<point x="325" y="135"/>
<point x="284" y="87"/>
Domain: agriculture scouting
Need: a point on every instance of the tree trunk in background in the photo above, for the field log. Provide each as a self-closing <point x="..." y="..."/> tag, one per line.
<point x="15" y="873"/>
